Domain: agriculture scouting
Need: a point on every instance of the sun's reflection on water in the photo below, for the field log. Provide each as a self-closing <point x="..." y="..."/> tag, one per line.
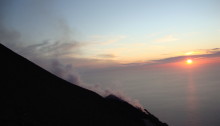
<point x="192" y="101"/>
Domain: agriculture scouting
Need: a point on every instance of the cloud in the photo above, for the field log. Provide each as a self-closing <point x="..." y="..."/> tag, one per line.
<point x="53" y="57"/>
<point x="153" y="34"/>
<point x="57" y="55"/>
<point x="215" y="49"/>
<point x="105" y="40"/>
<point x="215" y="52"/>
<point x="168" y="38"/>
<point x="49" y="56"/>
<point x="52" y="49"/>
<point x="8" y="37"/>
<point x="106" y="55"/>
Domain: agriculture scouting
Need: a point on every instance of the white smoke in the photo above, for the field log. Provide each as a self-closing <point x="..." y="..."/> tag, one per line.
<point x="52" y="54"/>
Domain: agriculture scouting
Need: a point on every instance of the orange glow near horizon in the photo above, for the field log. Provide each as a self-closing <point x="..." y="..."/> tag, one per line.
<point x="196" y="62"/>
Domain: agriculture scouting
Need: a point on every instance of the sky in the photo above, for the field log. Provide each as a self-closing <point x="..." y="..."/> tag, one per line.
<point x="136" y="47"/>
<point x="109" y="32"/>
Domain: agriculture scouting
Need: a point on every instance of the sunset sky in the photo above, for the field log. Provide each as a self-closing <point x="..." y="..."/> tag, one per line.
<point x="115" y="31"/>
<point x="164" y="53"/>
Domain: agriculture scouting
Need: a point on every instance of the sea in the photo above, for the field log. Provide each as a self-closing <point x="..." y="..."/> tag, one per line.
<point x="179" y="96"/>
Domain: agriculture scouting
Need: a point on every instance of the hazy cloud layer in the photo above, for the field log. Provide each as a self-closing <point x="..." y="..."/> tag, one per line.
<point x="168" y="38"/>
<point x="106" y="55"/>
<point x="215" y="52"/>
<point x="106" y="40"/>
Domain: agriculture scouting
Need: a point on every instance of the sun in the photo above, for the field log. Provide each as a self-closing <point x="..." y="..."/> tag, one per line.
<point x="189" y="61"/>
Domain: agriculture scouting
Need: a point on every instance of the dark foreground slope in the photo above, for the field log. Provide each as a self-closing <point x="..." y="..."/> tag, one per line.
<point x="31" y="96"/>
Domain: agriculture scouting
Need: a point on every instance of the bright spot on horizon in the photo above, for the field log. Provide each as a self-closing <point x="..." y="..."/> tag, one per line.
<point x="189" y="61"/>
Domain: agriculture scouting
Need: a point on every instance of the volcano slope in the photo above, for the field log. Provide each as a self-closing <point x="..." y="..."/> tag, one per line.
<point x="32" y="96"/>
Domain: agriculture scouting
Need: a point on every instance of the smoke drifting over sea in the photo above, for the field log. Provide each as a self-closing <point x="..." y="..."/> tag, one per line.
<point x="52" y="54"/>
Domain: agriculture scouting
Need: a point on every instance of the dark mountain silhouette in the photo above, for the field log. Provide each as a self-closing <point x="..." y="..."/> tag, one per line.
<point x="31" y="96"/>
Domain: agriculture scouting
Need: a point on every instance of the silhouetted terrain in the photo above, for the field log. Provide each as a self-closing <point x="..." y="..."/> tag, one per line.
<point x="31" y="96"/>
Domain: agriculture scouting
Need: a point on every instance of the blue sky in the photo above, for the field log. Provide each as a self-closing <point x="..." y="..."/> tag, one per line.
<point x="124" y="31"/>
